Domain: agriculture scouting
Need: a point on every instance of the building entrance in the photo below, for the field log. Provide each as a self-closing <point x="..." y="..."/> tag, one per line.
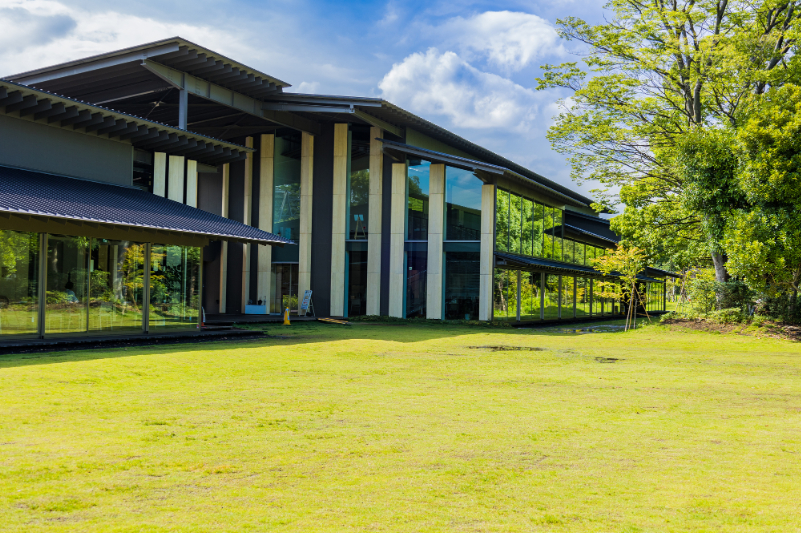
<point x="284" y="287"/>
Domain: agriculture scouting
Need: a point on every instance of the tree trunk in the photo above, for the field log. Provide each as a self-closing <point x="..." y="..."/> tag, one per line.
<point x="719" y="261"/>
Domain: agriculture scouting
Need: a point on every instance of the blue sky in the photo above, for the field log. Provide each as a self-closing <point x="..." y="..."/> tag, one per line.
<point x="468" y="66"/>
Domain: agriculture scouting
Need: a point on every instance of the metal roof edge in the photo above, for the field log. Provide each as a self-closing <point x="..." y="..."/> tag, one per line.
<point x="142" y="47"/>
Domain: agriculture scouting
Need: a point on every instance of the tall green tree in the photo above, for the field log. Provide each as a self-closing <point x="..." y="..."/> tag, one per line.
<point x="653" y="74"/>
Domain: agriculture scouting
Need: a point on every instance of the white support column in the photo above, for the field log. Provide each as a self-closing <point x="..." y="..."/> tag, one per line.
<point x="160" y="174"/>
<point x="374" y="224"/>
<point x="246" y="220"/>
<point x="224" y="252"/>
<point x="191" y="183"/>
<point x="338" y="222"/>
<point x="266" y="182"/>
<point x="305" y="236"/>
<point x="175" y="183"/>
<point x="436" y="233"/>
<point x="487" y="252"/>
<point x="397" y="238"/>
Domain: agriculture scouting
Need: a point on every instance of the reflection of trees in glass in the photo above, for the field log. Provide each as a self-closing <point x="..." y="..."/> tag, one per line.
<point x="502" y="221"/>
<point x="360" y="187"/>
<point x="515" y="222"/>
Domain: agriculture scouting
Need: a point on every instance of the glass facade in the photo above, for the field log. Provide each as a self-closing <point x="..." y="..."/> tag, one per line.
<point x="416" y="268"/>
<point x="357" y="283"/>
<point x="462" y="205"/>
<point x="417" y="200"/>
<point x="66" y="299"/>
<point x="286" y="187"/>
<point x="530" y="295"/>
<point x="461" y="285"/>
<point x="174" y="286"/>
<point x="551" y="295"/>
<point x="358" y="183"/>
<point x="284" y="287"/>
<point x="95" y="285"/>
<point x="19" y="283"/>
<point x="116" y="285"/>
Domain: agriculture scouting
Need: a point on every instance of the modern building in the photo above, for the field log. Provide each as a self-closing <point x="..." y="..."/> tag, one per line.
<point x="141" y="185"/>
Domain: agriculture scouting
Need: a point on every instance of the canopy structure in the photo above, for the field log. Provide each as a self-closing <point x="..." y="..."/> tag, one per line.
<point x="38" y="202"/>
<point x="532" y="263"/>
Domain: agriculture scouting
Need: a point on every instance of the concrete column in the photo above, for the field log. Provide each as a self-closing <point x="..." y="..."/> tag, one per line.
<point x="224" y="253"/>
<point x="397" y="237"/>
<point x="305" y="237"/>
<point x="266" y="190"/>
<point x="191" y="183"/>
<point x="338" y="222"/>
<point x="487" y="257"/>
<point x="175" y="179"/>
<point x="374" y="224"/>
<point x="160" y="174"/>
<point x="246" y="220"/>
<point x="436" y="234"/>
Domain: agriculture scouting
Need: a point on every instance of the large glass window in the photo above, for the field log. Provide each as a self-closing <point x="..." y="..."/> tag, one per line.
<point x="515" y="223"/>
<point x="286" y="187"/>
<point x="66" y="302"/>
<point x="461" y="285"/>
<point x="528" y="232"/>
<point x="530" y="296"/>
<point x="567" y="297"/>
<point x="416" y="267"/>
<point x="537" y="230"/>
<point x="500" y="294"/>
<point x="551" y="305"/>
<point x="116" y="285"/>
<point x="417" y="193"/>
<point x="283" y="287"/>
<point x="568" y="251"/>
<point x="548" y="248"/>
<point x="19" y="283"/>
<point x="358" y="184"/>
<point x="357" y="283"/>
<point x="462" y="205"/>
<point x="581" y="255"/>
<point x="502" y="220"/>
<point x="582" y="297"/>
<point x="174" y="286"/>
<point x="557" y="234"/>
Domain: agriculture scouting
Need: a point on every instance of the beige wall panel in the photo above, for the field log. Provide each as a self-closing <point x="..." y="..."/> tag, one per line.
<point x="265" y="253"/>
<point x="374" y="224"/>
<point x="159" y="173"/>
<point x="436" y="223"/>
<point x="397" y="238"/>
<point x="305" y="237"/>
<point x="338" y="222"/>
<point x="191" y="183"/>
<point x="175" y="188"/>
<point x="485" y="304"/>
<point x="487" y="255"/>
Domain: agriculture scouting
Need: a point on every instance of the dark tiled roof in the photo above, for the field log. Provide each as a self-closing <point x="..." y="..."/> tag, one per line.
<point x="35" y="193"/>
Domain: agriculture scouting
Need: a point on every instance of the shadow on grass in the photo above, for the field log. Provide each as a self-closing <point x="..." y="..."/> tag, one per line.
<point x="301" y="333"/>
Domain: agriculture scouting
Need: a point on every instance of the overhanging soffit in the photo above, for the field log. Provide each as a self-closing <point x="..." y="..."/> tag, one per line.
<point x="40" y="106"/>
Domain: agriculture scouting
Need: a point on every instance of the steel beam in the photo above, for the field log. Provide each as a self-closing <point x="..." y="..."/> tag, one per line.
<point x="378" y="123"/>
<point x="26" y="101"/>
<point x="42" y="105"/>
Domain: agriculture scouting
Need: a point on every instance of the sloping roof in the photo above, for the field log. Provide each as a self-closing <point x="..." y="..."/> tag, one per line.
<point x="380" y="112"/>
<point x="470" y="164"/>
<point x="590" y="234"/>
<point x="24" y="192"/>
<point x="142" y="133"/>
<point x="175" y="52"/>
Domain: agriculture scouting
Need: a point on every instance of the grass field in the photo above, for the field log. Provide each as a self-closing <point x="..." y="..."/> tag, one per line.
<point x="407" y="428"/>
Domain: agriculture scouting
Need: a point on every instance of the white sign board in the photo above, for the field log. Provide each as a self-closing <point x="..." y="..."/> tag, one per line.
<point x="304" y="304"/>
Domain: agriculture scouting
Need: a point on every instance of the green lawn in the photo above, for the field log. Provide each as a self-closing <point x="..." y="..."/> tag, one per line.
<point x="407" y="428"/>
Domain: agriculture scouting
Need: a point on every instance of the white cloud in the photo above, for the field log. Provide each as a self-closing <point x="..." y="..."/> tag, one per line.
<point x="57" y="33"/>
<point x="444" y="84"/>
<point x="307" y="87"/>
<point x="510" y="40"/>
